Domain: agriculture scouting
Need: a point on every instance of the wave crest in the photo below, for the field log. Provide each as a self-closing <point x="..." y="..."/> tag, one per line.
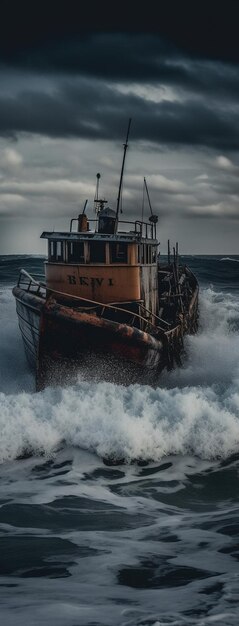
<point x="194" y="410"/>
<point x="124" y="423"/>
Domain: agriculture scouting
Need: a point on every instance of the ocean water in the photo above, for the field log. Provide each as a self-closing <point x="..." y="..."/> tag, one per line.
<point x="153" y="541"/>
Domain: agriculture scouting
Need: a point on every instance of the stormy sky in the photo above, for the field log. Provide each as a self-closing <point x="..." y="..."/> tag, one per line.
<point x="70" y="82"/>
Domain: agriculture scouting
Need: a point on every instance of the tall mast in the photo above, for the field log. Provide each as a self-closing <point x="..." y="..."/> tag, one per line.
<point x="122" y="174"/>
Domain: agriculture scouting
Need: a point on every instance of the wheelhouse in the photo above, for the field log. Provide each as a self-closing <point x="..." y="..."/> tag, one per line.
<point x="102" y="265"/>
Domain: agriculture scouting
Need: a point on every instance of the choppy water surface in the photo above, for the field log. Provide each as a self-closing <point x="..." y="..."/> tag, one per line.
<point x="154" y="542"/>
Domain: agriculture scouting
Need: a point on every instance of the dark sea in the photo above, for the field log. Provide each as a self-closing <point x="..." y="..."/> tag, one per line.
<point x="154" y="541"/>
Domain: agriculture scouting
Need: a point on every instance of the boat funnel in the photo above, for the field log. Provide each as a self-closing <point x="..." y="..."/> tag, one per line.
<point x="107" y="219"/>
<point x="82" y="223"/>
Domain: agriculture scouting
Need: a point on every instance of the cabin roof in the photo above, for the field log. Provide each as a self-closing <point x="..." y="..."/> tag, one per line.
<point x="127" y="237"/>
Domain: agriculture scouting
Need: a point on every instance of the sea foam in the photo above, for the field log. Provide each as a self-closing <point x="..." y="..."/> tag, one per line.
<point x="130" y="423"/>
<point x="194" y="410"/>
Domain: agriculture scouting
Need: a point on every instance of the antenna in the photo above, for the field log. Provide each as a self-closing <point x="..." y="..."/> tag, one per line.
<point x="97" y="187"/>
<point x="99" y="204"/>
<point x="122" y="173"/>
<point x="153" y="218"/>
<point x="142" y="216"/>
<point x="85" y="206"/>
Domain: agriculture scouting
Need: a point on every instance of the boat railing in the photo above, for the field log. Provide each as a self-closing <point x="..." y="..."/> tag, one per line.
<point x="29" y="283"/>
<point x="147" y="323"/>
<point x="146" y="313"/>
<point x="141" y="229"/>
<point x="38" y="288"/>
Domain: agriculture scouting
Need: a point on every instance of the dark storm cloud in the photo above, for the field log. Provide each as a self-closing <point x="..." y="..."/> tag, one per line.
<point x="110" y="56"/>
<point x="169" y="49"/>
<point x="123" y="57"/>
<point x="96" y="111"/>
<point x="200" y="29"/>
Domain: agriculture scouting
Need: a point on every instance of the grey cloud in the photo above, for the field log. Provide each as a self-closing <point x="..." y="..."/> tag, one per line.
<point x="134" y="57"/>
<point x="97" y="111"/>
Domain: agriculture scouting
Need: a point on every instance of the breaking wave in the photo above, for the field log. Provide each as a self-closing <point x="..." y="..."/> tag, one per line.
<point x="194" y="410"/>
<point x="123" y="423"/>
<point x="229" y="258"/>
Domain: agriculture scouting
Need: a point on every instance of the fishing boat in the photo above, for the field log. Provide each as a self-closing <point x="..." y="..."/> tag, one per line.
<point x="107" y="296"/>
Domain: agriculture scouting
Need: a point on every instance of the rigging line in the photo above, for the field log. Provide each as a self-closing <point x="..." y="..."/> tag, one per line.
<point x="147" y="191"/>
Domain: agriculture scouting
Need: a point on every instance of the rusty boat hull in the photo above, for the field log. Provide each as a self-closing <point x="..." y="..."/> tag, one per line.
<point x="61" y="340"/>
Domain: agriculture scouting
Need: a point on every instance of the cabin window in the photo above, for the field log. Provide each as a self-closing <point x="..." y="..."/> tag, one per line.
<point x="140" y="253"/>
<point x="118" y="252"/>
<point x="59" y="251"/>
<point x="144" y="254"/>
<point x="147" y="254"/>
<point x="75" y="251"/>
<point x="154" y="254"/>
<point x="52" y="250"/>
<point x="143" y="260"/>
<point x="55" y="250"/>
<point x="97" y="252"/>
